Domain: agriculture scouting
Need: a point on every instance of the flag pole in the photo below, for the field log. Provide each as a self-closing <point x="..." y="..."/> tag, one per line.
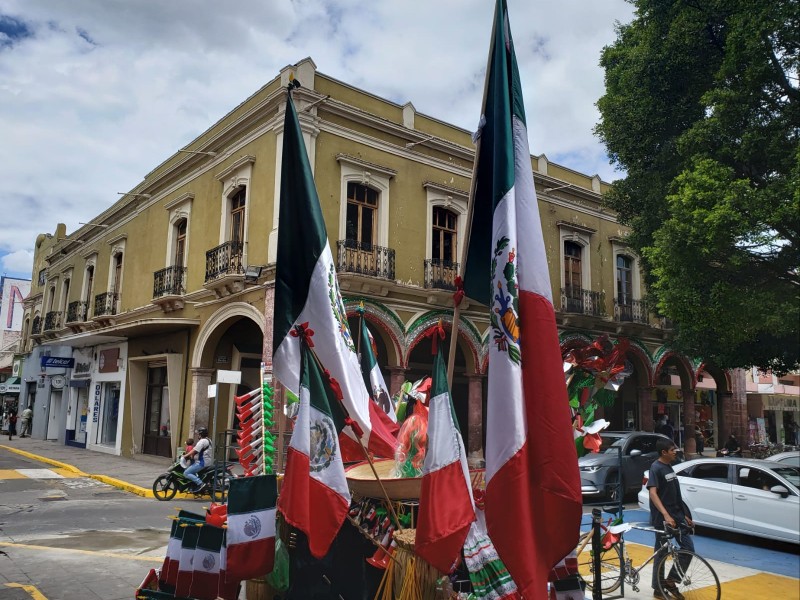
<point x="355" y="429"/>
<point x="451" y="355"/>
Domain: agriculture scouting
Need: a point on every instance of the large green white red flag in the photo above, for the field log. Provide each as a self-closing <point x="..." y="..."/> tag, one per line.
<point x="307" y="291"/>
<point x="206" y="563"/>
<point x="250" y="551"/>
<point x="445" y="503"/>
<point x="533" y="494"/>
<point x="314" y="495"/>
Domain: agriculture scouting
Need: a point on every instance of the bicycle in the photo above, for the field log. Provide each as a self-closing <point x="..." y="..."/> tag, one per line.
<point x="692" y="577"/>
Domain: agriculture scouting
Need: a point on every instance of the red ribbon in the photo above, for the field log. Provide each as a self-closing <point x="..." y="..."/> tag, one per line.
<point x="436" y="334"/>
<point x="354" y="426"/>
<point x="337" y="389"/>
<point x="458" y="295"/>
<point x="304" y="333"/>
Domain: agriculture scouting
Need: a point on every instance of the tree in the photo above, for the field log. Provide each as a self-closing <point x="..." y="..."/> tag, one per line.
<point x="702" y="112"/>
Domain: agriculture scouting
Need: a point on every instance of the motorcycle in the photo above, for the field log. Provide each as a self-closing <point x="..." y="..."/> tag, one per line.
<point x="725" y="452"/>
<point x="215" y="483"/>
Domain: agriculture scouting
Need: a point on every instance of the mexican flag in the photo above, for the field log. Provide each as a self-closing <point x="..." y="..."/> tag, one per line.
<point x="169" y="570"/>
<point x="307" y="291"/>
<point x="445" y="502"/>
<point x="207" y="561"/>
<point x="533" y="493"/>
<point x="183" y="582"/>
<point x="314" y="495"/>
<point x="373" y="378"/>
<point x="251" y="527"/>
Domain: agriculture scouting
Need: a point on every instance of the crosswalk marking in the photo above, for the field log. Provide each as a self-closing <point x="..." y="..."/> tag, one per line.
<point x="36" y="474"/>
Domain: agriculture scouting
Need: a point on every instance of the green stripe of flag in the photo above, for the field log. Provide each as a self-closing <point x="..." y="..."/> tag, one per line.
<point x="494" y="171"/>
<point x="321" y="397"/>
<point x="302" y="236"/>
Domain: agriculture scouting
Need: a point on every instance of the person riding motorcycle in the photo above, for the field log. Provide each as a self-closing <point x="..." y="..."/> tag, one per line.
<point x="201" y="453"/>
<point x="731" y="448"/>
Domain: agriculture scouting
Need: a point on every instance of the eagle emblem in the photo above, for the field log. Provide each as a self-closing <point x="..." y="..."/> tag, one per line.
<point x="504" y="315"/>
<point x="252" y="527"/>
<point x="323" y="445"/>
<point x="337" y="306"/>
<point x="208" y="562"/>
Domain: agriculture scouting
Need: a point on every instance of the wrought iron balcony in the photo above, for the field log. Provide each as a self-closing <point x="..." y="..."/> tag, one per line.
<point x="365" y="259"/>
<point x="36" y="326"/>
<point x="105" y="304"/>
<point x="225" y="259"/>
<point x="52" y="320"/>
<point x="576" y="300"/>
<point x="440" y="274"/>
<point x="77" y="312"/>
<point x="169" y="282"/>
<point x="631" y="311"/>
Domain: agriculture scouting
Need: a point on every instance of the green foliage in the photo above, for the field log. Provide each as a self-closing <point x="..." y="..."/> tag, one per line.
<point x="702" y="111"/>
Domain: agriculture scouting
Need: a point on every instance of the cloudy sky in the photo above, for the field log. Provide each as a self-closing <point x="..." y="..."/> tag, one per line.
<point x="95" y="93"/>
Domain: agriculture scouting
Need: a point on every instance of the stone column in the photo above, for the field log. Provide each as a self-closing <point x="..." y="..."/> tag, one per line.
<point x="645" y="395"/>
<point x="736" y="415"/>
<point x="689" y="443"/>
<point x="475" y="419"/>
<point x="397" y="377"/>
<point x="199" y="414"/>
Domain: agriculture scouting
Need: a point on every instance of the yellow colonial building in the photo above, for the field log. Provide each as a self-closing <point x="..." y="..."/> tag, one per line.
<point x="134" y="316"/>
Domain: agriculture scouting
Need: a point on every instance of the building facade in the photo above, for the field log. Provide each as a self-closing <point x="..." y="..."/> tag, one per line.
<point x="174" y="281"/>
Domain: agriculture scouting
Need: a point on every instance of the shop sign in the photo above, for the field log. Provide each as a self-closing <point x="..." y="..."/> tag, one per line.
<point x="83" y="365"/>
<point x="782" y="403"/>
<point x="96" y="408"/>
<point x="57" y="362"/>
<point x="109" y="360"/>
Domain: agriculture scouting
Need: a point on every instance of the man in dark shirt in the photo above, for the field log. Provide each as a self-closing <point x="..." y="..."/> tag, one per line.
<point x="666" y="507"/>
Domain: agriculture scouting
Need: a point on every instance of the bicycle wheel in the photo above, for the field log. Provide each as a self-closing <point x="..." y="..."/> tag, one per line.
<point x="220" y="486"/>
<point x="689" y="575"/>
<point x="164" y="488"/>
<point x="610" y="568"/>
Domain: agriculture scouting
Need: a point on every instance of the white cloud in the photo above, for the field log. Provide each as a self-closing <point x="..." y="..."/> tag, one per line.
<point x="101" y="92"/>
<point x="17" y="264"/>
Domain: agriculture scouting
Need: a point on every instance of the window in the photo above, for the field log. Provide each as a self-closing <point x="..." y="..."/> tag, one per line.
<point x="65" y="295"/>
<point x="180" y="243"/>
<point x="88" y="289"/>
<point x="444" y="237"/>
<point x="756" y="479"/>
<point x="362" y="209"/>
<point x="624" y="280"/>
<point x="710" y="471"/>
<point x="42" y="277"/>
<point x="573" y="272"/>
<point x="237" y="200"/>
<point x="117" y="283"/>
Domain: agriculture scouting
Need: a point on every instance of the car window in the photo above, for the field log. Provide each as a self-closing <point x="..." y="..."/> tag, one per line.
<point x="793" y="460"/>
<point x="648" y="444"/>
<point x="710" y="471"/>
<point x="610" y="443"/>
<point x="756" y="478"/>
<point x="788" y="472"/>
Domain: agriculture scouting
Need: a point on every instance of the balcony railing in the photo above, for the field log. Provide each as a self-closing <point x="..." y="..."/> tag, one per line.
<point x="105" y="304"/>
<point x="365" y="259"/>
<point x="36" y="326"/>
<point x="169" y="282"/>
<point x="583" y="302"/>
<point x="225" y="259"/>
<point x="77" y="311"/>
<point x="440" y="274"/>
<point x="631" y="311"/>
<point x="52" y="320"/>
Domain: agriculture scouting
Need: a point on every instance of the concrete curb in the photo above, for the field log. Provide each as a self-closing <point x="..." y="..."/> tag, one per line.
<point x="44" y="459"/>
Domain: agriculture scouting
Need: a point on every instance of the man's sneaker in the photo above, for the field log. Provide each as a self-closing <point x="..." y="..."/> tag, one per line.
<point x="672" y="589"/>
<point x="658" y="594"/>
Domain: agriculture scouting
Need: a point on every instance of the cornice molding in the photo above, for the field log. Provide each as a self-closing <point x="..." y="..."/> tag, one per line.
<point x="182" y="199"/>
<point x="237" y="164"/>
<point x="576" y="227"/>
<point x="363" y="164"/>
<point x="445" y="189"/>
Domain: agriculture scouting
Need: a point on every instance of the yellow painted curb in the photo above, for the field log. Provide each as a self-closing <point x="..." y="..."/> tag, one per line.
<point x="123" y="485"/>
<point x="44" y="459"/>
<point x="32" y="590"/>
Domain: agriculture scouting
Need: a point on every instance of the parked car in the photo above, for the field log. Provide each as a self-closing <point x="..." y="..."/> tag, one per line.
<point x="622" y="457"/>
<point x="744" y="495"/>
<point x="787" y="458"/>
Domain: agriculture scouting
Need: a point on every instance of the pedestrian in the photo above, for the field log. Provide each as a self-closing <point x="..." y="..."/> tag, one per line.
<point x="667" y="429"/>
<point x="201" y="453"/>
<point x="699" y="439"/>
<point x="667" y="509"/>
<point x="25" y="418"/>
<point x="12" y="424"/>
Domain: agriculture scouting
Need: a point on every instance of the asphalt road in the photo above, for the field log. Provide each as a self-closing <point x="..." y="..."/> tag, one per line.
<point x="74" y="538"/>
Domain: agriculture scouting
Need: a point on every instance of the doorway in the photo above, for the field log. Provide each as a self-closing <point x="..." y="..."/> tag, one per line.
<point x="55" y="411"/>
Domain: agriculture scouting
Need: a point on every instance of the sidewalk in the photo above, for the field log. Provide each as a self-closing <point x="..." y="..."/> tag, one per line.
<point x="135" y="475"/>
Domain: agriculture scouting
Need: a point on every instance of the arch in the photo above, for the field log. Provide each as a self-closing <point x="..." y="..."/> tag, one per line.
<point x="469" y="339"/>
<point x="388" y="325"/>
<point x="720" y="376"/>
<point x="664" y="355"/>
<point x="211" y="327"/>
<point x="643" y="360"/>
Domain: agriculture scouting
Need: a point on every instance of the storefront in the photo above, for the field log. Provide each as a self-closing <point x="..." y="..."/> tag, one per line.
<point x="107" y="399"/>
<point x="669" y="403"/>
<point x="79" y="391"/>
<point x="776" y="415"/>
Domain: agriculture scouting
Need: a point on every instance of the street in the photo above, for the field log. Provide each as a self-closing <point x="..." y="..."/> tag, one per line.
<point x="74" y="538"/>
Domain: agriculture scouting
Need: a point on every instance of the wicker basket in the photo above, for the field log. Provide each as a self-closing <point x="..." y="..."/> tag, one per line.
<point x="362" y="481"/>
<point x="424" y="573"/>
